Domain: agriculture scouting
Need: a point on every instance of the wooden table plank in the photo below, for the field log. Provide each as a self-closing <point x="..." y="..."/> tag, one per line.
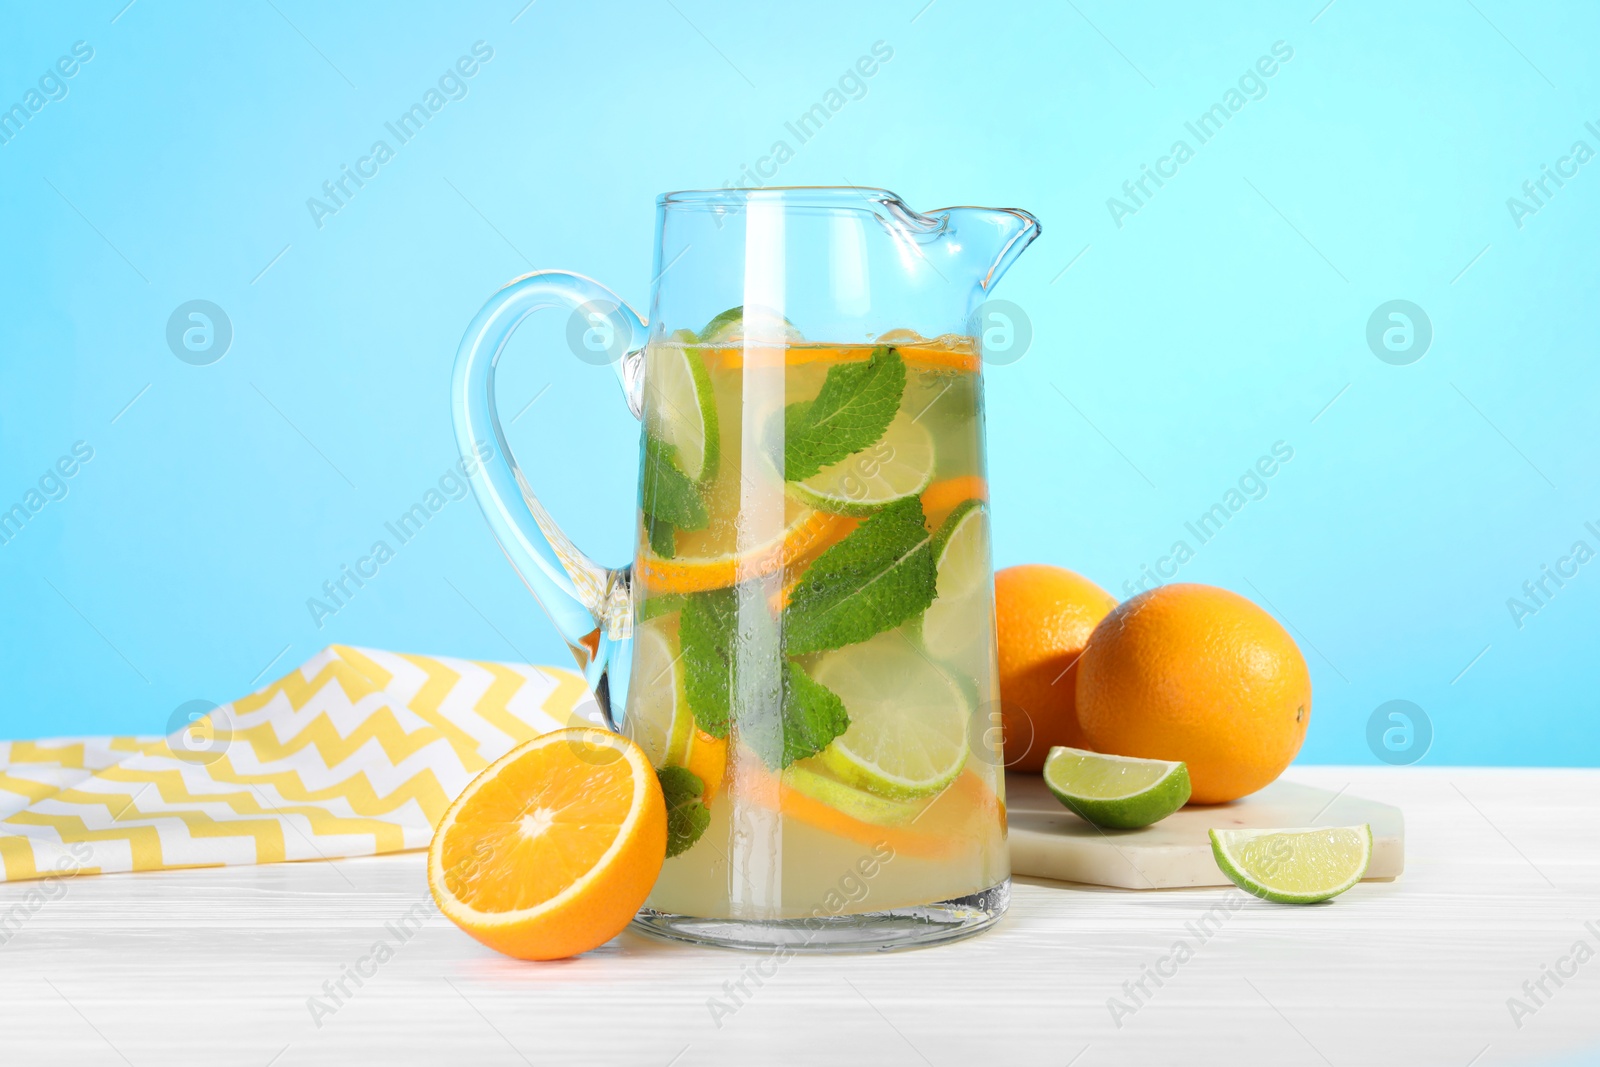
<point x="217" y="966"/>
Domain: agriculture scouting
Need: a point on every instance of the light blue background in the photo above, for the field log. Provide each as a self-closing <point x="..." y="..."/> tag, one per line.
<point x="1224" y="316"/>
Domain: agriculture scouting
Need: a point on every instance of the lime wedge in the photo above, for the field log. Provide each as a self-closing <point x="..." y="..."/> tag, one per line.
<point x="679" y="407"/>
<point x="658" y="719"/>
<point x="898" y="466"/>
<point x="848" y="800"/>
<point x="908" y="719"/>
<point x="953" y="622"/>
<point x="1118" y="792"/>
<point x="1294" y="866"/>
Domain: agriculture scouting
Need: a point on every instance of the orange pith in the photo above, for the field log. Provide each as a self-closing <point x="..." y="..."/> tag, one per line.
<point x="1199" y="674"/>
<point x="552" y="849"/>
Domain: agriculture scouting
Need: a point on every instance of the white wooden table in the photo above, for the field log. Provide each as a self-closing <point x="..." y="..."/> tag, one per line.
<point x="216" y="967"/>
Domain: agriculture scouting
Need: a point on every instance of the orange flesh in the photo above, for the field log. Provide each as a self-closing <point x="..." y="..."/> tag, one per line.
<point x="540" y="825"/>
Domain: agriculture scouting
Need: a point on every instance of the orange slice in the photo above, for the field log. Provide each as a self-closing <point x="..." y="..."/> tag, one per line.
<point x="934" y="358"/>
<point x="707" y="758"/>
<point x="732" y="357"/>
<point x="942" y="829"/>
<point x="779" y="600"/>
<point x="553" y="848"/>
<point x="926" y="354"/>
<point x="949" y="352"/>
<point x="941" y="498"/>
<point x="806" y="537"/>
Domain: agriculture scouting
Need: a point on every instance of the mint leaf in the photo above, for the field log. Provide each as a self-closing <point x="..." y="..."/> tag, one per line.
<point x="813" y="715"/>
<point x="855" y="406"/>
<point x="873" y="580"/>
<point x="796" y="721"/>
<point x="667" y="493"/>
<point x="687" y="815"/>
<point x="655" y="605"/>
<point x="663" y="539"/>
<point x="706" y="631"/>
<point x="669" y="498"/>
<point x="781" y="718"/>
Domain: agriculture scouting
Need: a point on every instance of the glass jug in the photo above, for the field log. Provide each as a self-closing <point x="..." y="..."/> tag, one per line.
<point x="804" y="643"/>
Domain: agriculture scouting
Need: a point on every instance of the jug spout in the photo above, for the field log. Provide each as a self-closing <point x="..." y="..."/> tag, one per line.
<point x="988" y="239"/>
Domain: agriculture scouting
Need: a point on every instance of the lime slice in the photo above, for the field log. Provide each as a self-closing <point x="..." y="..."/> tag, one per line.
<point x="658" y="718"/>
<point x="953" y="622"/>
<point x="655" y="605"/>
<point x="721" y="327"/>
<point x="764" y="323"/>
<point x="1294" y="866"/>
<point x="848" y="800"/>
<point x="898" y="466"/>
<point x="908" y="719"/>
<point x="1118" y="792"/>
<point x="679" y="407"/>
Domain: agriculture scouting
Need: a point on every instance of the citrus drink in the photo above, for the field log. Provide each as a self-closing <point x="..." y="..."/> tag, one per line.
<point x="815" y="668"/>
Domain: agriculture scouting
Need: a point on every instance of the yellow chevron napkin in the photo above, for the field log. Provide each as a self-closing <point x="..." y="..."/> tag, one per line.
<point x="354" y="753"/>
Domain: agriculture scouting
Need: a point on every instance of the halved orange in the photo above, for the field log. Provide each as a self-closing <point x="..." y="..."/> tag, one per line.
<point x="553" y="848"/>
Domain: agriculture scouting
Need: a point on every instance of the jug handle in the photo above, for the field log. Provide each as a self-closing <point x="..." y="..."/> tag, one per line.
<point x="589" y="604"/>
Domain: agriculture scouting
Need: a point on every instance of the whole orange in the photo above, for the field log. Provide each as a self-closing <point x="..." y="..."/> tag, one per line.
<point x="1198" y="674"/>
<point x="1043" y="617"/>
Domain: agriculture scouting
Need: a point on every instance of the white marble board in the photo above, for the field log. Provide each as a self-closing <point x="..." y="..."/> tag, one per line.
<point x="1048" y="841"/>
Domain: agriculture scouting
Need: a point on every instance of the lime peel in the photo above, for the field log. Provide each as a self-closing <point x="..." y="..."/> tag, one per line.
<point x="962" y="581"/>
<point x="681" y="410"/>
<point x="899" y="464"/>
<point x="1116" y="792"/>
<point x="658" y="718"/>
<point x="847" y="799"/>
<point x="1294" y="866"/>
<point x="908" y="719"/>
